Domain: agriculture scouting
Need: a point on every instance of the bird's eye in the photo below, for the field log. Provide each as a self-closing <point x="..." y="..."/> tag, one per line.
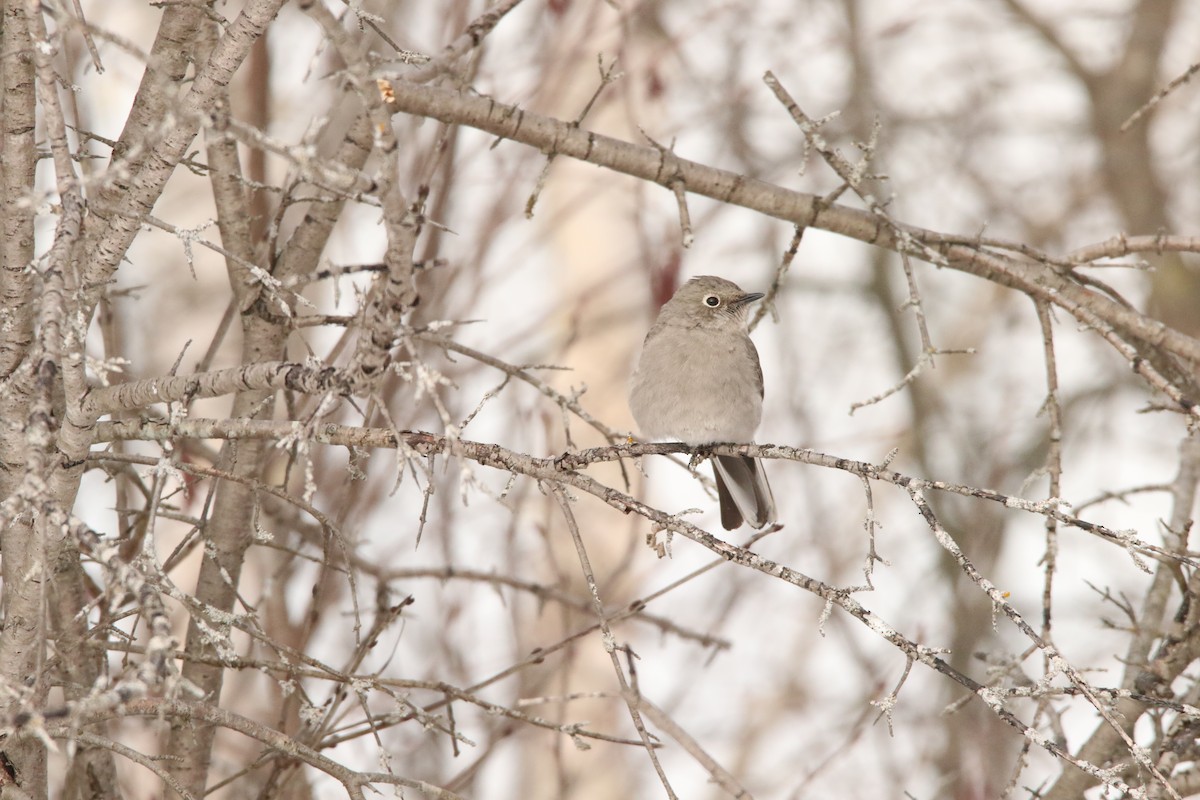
<point x="712" y="301"/>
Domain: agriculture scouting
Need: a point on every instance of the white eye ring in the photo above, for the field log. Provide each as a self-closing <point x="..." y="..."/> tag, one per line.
<point x="712" y="301"/>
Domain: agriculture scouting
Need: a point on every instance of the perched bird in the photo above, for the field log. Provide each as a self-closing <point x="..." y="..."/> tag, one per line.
<point x="698" y="380"/>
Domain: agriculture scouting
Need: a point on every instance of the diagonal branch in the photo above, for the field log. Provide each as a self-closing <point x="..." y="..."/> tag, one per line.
<point x="1033" y="277"/>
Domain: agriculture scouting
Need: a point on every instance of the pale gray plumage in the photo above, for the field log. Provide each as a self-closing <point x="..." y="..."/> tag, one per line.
<point x="699" y="381"/>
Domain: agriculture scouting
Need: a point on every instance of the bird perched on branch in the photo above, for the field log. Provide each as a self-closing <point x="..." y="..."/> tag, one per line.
<point x="699" y="380"/>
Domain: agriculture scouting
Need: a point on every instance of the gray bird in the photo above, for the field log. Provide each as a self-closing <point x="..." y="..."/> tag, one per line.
<point x="699" y="381"/>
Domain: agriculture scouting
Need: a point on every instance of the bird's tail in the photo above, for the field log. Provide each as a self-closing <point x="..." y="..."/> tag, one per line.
<point x="743" y="491"/>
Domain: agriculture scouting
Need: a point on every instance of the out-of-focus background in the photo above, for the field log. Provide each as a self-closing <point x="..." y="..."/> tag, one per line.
<point x="995" y="119"/>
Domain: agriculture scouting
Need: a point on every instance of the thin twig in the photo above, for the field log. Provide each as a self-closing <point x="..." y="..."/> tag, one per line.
<point x="1160" y="95"/>
<point x="607" y="75"/>
<point x="632" y="700"/>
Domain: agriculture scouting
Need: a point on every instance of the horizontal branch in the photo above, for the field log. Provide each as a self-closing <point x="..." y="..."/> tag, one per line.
<point x="177" y="388"/>
<point x="556" y="468"/>
<point x="1122" y="245"/>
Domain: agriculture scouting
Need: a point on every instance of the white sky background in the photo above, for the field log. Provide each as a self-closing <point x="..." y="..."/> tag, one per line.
<point x="942" y="66"/>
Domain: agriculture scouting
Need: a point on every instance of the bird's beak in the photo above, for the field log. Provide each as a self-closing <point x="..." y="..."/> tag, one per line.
<point x="747" y="299"/>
